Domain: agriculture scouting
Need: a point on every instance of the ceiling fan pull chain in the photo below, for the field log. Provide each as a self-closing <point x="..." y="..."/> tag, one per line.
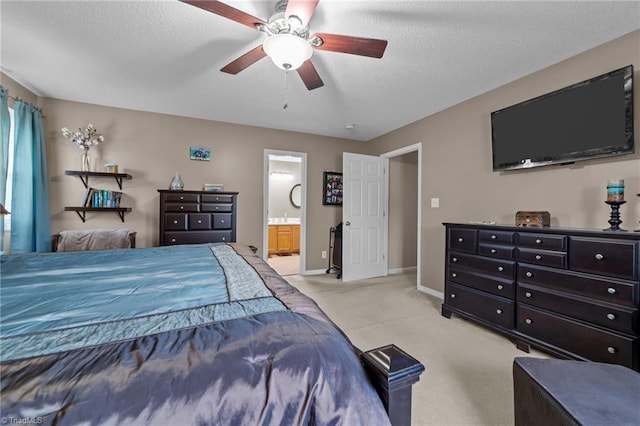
<point x="286" y="104"/>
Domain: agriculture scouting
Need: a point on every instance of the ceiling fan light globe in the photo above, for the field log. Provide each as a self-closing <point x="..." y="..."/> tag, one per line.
<point x="287" y="51"/>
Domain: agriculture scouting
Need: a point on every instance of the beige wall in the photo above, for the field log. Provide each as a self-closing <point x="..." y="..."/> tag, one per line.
<point x="153" y="147"/>
<point x="456" y="155"/>
<point x="403" y="211"/>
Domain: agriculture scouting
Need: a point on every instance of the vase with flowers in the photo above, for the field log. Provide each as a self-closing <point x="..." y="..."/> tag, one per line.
<point x="84" y="139"/>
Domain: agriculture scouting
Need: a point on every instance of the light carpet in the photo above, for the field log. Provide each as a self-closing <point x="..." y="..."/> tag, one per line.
<point x="468" y="377"/>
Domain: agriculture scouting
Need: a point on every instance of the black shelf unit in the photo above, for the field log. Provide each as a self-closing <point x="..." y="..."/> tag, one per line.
<point x="84" y="176"/>
<point x="81" y="211"/>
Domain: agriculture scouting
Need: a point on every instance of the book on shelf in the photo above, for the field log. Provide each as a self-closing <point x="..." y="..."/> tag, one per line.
<point x="103" y="198"/>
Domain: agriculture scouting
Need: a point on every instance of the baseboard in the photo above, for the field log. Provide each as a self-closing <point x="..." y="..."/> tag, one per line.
<point x="431" y="292"/>
<point x="402" y="270"/>
<point x="314" y="272"/>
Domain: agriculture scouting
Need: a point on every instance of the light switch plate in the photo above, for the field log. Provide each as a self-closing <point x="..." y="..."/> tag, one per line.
<point x="435" y="203"/>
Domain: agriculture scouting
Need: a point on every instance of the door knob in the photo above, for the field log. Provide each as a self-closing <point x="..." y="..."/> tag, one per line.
<point x="347" y="223"/>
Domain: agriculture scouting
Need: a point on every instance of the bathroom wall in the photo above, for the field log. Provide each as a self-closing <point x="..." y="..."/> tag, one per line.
<point x="280" y="188"/>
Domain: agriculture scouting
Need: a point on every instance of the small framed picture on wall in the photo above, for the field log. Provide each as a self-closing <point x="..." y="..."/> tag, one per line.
<point x="332" y="191"/>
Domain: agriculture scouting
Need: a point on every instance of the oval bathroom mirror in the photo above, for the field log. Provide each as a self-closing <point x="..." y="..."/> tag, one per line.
<point x="295" y="195"/>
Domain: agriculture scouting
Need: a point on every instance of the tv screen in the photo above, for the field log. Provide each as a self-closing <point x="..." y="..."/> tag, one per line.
<point x="591" y="119"/>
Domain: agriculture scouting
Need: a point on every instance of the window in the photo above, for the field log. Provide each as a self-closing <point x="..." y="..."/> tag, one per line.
<point x="8" y="190"/>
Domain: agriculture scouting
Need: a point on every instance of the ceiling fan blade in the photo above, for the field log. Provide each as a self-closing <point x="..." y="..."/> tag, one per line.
<point x="371" y="47"/>
<point x="303" y="9"/>
<point x="309" y="75"/>
<point x="226" y="11"/>
<point x="249" y="58"/>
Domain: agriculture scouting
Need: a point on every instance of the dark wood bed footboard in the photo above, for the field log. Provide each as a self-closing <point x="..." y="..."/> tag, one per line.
<point x="393" y="373"/>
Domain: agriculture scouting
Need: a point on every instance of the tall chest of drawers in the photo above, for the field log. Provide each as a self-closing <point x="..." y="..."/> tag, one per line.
<point x="193" y="217"/>
<point x="572" y="293"/>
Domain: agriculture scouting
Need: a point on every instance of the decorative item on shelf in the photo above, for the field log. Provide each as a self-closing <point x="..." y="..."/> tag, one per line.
<point x="177" y="184"/>
<point x="213" y="187"/>
<point x="615" y="198"/>
<point x="615" y="190"/>
<point x="533" y="219"/>
<point x="84" y="139"/>
<point x="111" y="167"/>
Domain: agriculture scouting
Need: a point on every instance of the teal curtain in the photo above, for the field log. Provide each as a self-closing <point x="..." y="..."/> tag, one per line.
<point x="30" y="227"/>
<point x="5" y="126"/>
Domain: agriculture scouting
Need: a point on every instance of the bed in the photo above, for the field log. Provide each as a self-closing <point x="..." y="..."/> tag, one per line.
<point x="184" y="335"/>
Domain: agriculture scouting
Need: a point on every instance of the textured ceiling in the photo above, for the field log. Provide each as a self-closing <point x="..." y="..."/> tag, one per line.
<point x="165" y="56"/>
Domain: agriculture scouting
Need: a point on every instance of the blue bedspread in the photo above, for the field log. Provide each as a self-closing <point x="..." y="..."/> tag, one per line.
<point x="68" y="300"/>
<point x="156" y="337"/>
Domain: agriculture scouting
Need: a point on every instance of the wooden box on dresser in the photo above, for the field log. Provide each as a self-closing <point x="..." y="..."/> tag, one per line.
<point x="193" y="217"/>
<point x="573" y="293"/>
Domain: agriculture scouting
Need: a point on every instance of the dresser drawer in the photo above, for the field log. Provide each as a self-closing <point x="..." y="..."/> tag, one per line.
<point x="461" y="239"/>
<point x="199" y="221"/>
<point x="216" y="208"/>
<point x="543" y="241"/>
<point x="609" y="290"/>
<point x="497" y="251"/>
<point x="496" y="267"/>
<point x="212" y="198"/>
<point x="606" y="257"/>
<point x="182" y="198"/>
<point x="181" y="207"/>
<point x="221" y="221"/>
<point x="576" y="337"/>
<point x="175" y="221"/>
<point x="187" y="237"/>
<point x="556" y="259"/>
<point x="616" y="317"/>
<point x="484" y="282"/>
<point x="496" y="310"/>
<point x="503" y="237"/>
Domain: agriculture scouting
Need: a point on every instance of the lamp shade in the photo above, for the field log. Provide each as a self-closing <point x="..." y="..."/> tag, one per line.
<point x="287" y="51"/>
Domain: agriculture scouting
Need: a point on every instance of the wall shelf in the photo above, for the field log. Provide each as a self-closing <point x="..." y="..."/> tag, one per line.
<point x="82" y="211"/>
<point x="84" y="176"/>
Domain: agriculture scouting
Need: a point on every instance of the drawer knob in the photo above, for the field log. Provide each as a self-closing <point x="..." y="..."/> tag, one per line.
<point x="612" y="350"/>
<point x="611" y="290"/>
<point x="182" y="198"/>
<point x="529" y="274"/>
<point x="528" y="321"/>
<point x="493" y="237"/>
<point x="217" y="207"/>
<point x="494" y="251"/>
<point x="538" y="257"/>
<point x="500" y="268"/>
<point x="527" y="294"/>
<point x="499" y="311"/>
<point x="460" y="240"/>
<point x="199" y="220"/>
<point x="453" y="274"/>
<point x="538" y="241"/>
<point x="453" y="295"/>
<point x="175" y="222"/>
<point x="217" y="199"/>
<point x="611" y="316"/>
<point x="500" y="287"/>
<point x="224" y="239"/>
<point x="599" y="256"/>
<point x="455" y="259"/>
<point x="222" y="221"/>
<point x="173" y="240"/>
<point x="181" y="207"/>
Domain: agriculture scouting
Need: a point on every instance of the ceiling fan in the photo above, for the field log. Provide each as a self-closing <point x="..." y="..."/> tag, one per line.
<point x="288" y="42"/>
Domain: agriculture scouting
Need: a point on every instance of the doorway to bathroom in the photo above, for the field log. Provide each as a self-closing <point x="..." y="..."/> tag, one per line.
<point x="284" y="211"/>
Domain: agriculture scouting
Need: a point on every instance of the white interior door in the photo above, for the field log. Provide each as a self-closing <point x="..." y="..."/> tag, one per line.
<point x="363" y="217"/>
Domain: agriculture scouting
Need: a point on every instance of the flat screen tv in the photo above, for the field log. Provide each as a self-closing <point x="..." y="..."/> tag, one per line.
<point x="590" y="119"/>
